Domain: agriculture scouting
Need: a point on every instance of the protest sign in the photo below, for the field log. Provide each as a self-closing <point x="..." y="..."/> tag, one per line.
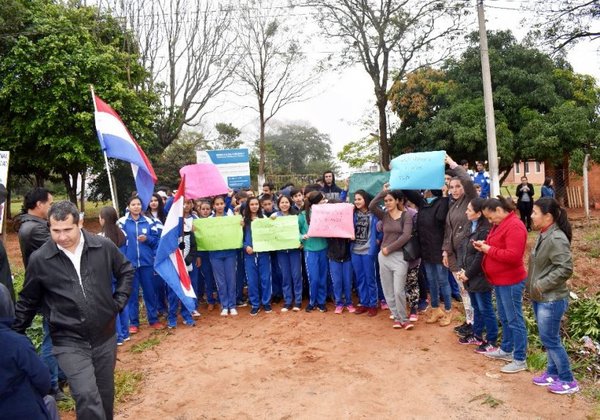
<point x="275" y="234"/>
<point x="418" y="171"/>
<point x="233" y="164"/>
<point x="4" y="157"/>
<point x="218" y="233"/>
<point x="202" y="180"/>
<point x="371" y="182"/>
<point x="332" y="221"/>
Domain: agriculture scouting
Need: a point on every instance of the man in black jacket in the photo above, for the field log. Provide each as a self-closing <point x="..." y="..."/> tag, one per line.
<point x="70" y="279"/>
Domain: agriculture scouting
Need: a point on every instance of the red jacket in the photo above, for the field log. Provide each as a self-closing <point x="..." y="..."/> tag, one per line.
<point x="503" y="264"/>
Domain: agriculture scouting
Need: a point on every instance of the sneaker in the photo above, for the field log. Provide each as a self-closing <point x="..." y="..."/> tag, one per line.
<point x="351" y="308"/>
<point x="196" y="314"/>
<point x="372" y="312"/>
<point x="384" y="305"/>
<point x="191" y="323"/>
<point x="361" y="310"/>
<point x="397" y="325"/>
<point x="224" y="312"/>
<point x="500" y="355"/>
<point x="460" y="327"/>
<point x="268" y="309"/>
<point x="545" y="380"/>
<point x="171" y="327"/>
<point x="322" y="308"/>
<point x="560" y="387"/>
<point x="286" y="308"/>
<point x="233" y="312"/>
<point x="133" y="329"/>
<point x="413" y="318"/>
<point x="339" y="309"/>
<point x="423" y="306"/>
<point x="470" y="339"/>
<point x="157" y="326"/>
<point x="241" y="304"/>
<point x="486" y="347"/>
<point x="119" y="342"/>
<point x="392" y="317"/>
<point x="296" y="308"/>
<point x="514" y="366"/>
<point x="127" y="338"/>
<point x="467" y="330"/>
<point x="309" y="308"/>
<point x="407" y="326"/>
<point x="446" y="319"/>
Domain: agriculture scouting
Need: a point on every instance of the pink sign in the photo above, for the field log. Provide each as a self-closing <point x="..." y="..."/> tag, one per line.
<point x="203" y="180"/>
<point x="332" y="221"/>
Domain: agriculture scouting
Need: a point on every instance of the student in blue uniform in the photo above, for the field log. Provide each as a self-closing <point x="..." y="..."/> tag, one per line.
<point x="204" y="210"/>
<point x="257" y="264"/>
<point x="290" y="263"/>
<point x="142" y="240"/>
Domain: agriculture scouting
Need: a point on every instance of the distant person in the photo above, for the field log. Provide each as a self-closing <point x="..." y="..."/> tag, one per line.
<point x="548" y="188"/>
<point x="70" y="278"/>
<point x="465" y="164"/>
<point x="25" y="379"/>
<point x="550" y="266"/>
<point x="482" y="178"/>
<point x="525" y="194"/>
<point x="330" y="190"/>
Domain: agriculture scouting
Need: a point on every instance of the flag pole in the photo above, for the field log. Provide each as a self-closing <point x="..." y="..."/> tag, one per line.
<point x="110" y="183"/>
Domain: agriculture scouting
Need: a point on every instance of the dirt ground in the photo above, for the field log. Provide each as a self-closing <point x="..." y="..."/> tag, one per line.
<point x="323" y="365"/>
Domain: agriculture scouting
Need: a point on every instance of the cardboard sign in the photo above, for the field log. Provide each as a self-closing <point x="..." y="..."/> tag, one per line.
<point x="332" y="221"/>
<point x="371" y="182"/>
<point x="418" y="171"/>
<point x="275" y="234"/>
<point x="202" y="180"/>
<point x="218" y="233"/>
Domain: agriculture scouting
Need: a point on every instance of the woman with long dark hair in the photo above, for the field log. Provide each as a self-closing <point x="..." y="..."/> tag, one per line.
<point x="548" y="188"/>
<point x="550" y="266"/>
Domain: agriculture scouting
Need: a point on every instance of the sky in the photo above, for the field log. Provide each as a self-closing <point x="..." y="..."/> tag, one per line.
<point x="345" y="95"/>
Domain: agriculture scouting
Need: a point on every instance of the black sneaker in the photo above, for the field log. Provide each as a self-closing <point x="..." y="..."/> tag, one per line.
<point x="486" y="347"/>
<point x="460" y="327"/>
<point x="268" y="309"/>
<point x="465" y="331"/>
<point x="470" y="339"/>
<point x="309" y="308"/>
<point x="254" y="311"/>
<point x="241" y="303"/>
<point x="322" y="308"/>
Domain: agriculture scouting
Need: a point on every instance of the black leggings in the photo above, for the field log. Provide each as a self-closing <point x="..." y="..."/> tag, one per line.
<point x="525" y="208"/>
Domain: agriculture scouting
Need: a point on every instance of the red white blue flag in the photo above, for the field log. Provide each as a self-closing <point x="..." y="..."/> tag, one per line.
<point x="118" y="143"/>
<point x="169" y="262"/>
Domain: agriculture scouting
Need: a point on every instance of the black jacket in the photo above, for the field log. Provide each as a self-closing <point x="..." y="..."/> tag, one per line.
<point x="33" y="233"/>
<point x="469" y="259"/>
<point x="432" y="222"/>
<point x="338" y="249"/>
<point x="520" y="191"/>
<point x="52" y="284"/>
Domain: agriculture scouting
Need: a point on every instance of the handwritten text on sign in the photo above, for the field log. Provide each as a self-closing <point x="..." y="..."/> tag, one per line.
<point x="418" y="171"/>
<point x="275" y="234"/>
<point x="218" y="233"/>
<point x="332" y="221"/>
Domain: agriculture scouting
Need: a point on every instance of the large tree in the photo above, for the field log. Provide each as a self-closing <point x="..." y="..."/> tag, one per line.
<point x="46" y="111"/>
<point x="391" y="36"/>
<point x="543" y="110"/>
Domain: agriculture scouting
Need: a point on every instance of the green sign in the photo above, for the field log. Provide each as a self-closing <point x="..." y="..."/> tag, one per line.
<point x="275" y="234"/>
<point x="218" y="233"/>
<point x="371" y="182"/>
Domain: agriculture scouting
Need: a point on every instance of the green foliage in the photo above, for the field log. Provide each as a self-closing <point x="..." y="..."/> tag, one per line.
<point x="126" y="384"/>
<point x="584" y="318"/>
<point x="543" y="110"/>
<point x="360" y="152"/>
<point x="537" y="359"/>
<point x="487" y="399"/>
<point x="228" y="137"/>
<point x="179" y="153"/>
<point x="147" y="344"/>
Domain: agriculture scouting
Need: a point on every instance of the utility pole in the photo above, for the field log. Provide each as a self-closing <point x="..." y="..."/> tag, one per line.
<point x="490" y="124"/>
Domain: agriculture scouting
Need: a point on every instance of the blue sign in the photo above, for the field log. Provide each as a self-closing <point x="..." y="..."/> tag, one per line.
<point x="233" y="164"/>
<point x="418" y="171"/>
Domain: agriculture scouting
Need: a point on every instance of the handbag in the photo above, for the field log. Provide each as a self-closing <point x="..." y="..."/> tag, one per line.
<point x="412" y="249"/>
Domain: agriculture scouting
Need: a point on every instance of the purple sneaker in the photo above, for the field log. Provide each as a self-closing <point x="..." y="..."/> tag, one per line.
<point x="545" y="380"/>
<point x="560" y="387"/>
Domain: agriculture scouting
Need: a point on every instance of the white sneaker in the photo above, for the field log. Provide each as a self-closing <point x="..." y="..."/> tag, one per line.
<point x="233" y="312"/>
<point x="224" y="312"/>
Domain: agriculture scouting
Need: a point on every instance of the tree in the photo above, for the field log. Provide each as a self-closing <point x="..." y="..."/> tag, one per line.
<point x="391" y="34"/>
<point x="543" y="110"/>
<point x="361" y="152"/>
<point x="228" y="137"/>
<point x="297" y="148"/>
<point x="46" y="111"/>
<point x="188" y="47"/>
<point x="561" y="24"/>
<point x="272" y="64"/>
<point x="178" y="154"/>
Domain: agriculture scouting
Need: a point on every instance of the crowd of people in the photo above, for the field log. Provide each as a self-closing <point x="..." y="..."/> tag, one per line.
<point x="412" y="253"/>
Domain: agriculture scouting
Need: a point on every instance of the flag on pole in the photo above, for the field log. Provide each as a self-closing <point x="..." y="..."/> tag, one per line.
<point x="118" y="143"/>
<point x="169" y="262"/>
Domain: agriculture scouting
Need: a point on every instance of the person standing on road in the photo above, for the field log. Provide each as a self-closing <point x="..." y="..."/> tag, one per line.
<point x="70" y="278"/>
<point x="550" y="266"/>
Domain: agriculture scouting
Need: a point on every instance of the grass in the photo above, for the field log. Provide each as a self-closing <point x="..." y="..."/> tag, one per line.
<point x="147" y="344"/>
<point x="126" y="384"/>
<point x="488" y="399"/>
<point x="536" y="359"/>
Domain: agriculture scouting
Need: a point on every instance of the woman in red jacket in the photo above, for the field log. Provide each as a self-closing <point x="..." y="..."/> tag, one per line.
<point x="503" y="265"/>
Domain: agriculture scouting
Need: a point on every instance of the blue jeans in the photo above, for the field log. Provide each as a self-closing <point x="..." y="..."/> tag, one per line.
<point x="548" y="316"/>
<point x="437" y="277"/>
<point x="484" y="316"/>
<point x="290" y="264"/>
<point x="48" y="356"/>
<point x="341" y="276"/>
<point x="316" y="267"/>
<point x="366" y="282"/>
<point x="509" y="302"/>
<point x="258" y="275"/>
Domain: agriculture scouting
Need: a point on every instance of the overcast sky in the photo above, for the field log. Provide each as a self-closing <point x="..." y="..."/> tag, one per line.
<point x="345" y="95"/>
